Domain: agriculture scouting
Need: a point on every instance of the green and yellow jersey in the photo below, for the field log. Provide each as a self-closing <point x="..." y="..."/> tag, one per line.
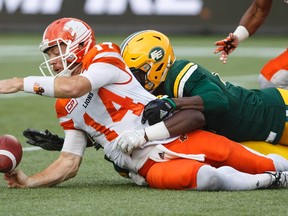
<point x="232" y="111"/>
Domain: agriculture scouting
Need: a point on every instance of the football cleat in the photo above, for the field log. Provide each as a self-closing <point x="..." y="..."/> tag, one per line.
<point x="279" y="179"/>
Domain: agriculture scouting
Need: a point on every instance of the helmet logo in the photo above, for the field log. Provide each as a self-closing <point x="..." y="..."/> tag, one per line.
<point x="156" y="54"/>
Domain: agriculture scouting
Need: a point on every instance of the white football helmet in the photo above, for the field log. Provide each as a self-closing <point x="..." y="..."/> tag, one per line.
<point x="78" y="38"/>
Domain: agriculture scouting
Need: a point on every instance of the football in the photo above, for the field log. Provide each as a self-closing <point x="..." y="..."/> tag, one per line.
<point x="10" y="153"/>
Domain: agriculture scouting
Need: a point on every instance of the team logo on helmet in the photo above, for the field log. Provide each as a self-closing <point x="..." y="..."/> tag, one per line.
<point x="156" y="54"/>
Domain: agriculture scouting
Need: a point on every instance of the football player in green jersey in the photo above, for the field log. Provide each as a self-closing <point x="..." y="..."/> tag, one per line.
<point x="235" y="112"/>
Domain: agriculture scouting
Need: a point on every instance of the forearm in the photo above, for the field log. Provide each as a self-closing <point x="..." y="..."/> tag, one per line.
<point x="71" y="87"/>
<point x="255" y="15"/>
<point x="185" y="121"/>
<point x="194" y="102"/>
<point x="181" y="122"/>
<point x="11" y="85"/>
<point x="60" y="87"/>
<point x="64" y="168"/>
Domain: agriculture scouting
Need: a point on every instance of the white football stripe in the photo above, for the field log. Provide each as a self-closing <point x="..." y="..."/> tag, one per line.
<point x="11" y="156"/>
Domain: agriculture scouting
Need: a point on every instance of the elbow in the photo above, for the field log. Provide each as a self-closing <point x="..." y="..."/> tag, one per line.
<point x="197" y="118"/>
<point x="69" y="165"/>
<point x="201" y="120"/>
<point x="73" y="170"/>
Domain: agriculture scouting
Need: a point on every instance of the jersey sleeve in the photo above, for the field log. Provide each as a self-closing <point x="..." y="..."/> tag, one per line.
<point x="104" y="65"/>
<point x="62" y="107"/>
<point x="214" y="99"/>
<point x="102" y="74"/>
<point x="190" y="79"/>
<point x="75" y="142"/>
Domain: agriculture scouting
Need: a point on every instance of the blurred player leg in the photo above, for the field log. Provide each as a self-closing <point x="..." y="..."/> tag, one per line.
<point x="275" y="72"/>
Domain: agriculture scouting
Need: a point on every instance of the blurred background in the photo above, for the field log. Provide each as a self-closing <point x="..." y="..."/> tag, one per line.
<point x="125" y="16"/>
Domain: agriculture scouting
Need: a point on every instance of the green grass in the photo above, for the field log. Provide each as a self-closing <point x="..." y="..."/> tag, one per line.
<point x="97" y="189"/>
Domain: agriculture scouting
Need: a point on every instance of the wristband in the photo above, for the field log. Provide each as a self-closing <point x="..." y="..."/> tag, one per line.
<point x="39" y="85"/>
<point x="170" y="101"/>
<point x="242" y="33"/>
<point x="157" y="131"/>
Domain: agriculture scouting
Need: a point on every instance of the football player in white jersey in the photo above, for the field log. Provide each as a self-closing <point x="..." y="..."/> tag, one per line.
<point x="98" y="95"/>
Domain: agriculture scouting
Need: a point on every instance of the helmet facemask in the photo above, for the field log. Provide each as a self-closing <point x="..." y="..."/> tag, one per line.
<point x="67" y="58"/>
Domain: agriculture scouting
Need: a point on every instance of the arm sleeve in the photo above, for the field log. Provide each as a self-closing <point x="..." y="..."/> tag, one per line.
<point x="75" y="142"/>
<point x="101" y="74"/>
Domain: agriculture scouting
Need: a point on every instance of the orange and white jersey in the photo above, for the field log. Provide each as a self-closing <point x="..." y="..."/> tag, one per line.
<point x="114" y="105"/>
<point x="275" y="72"/>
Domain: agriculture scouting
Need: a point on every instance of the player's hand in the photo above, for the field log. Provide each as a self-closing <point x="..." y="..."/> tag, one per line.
<point x="16" y="179"/>
<point x="226" y="46"/>
<point x="46" y="140"/>
<point x="157" y="110"/>
<point x="130" y="140"/>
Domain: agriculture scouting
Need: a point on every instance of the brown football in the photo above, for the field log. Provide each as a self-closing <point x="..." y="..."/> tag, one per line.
<point x="10" y="153"/>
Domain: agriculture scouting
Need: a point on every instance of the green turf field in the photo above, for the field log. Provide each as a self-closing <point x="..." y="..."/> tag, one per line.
<point x="97" y="189"/>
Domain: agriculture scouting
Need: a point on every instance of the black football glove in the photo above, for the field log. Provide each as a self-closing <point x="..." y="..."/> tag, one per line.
<point x="46" y="140"/>
<point x="157" y="110"/>
<point x="51" y="142"/>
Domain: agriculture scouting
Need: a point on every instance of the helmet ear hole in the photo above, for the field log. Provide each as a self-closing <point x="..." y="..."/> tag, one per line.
<point x="81" y="45"/>
<point x="160" y="67"/>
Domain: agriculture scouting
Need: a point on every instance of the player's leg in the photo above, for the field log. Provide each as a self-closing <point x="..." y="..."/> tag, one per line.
<point x="184" y="174"/>
<point x="275" y="72"/>
<point x="280" y="163"/>
<point x="176" y="174"/>
<point x="221" y="151"/>
<point x="264" y="82"/>
<point x="227" y="178"/>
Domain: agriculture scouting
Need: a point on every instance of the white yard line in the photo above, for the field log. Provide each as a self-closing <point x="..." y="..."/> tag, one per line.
<point x="32" y="148"/>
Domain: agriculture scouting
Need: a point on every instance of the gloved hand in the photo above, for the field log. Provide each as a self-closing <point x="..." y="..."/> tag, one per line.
<point x="49" y="141"/>
<point x="157" y="110"/>
<point x="46" y="140"/>
<point x="130" y="140"/>
<point x="226" y="46"/>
